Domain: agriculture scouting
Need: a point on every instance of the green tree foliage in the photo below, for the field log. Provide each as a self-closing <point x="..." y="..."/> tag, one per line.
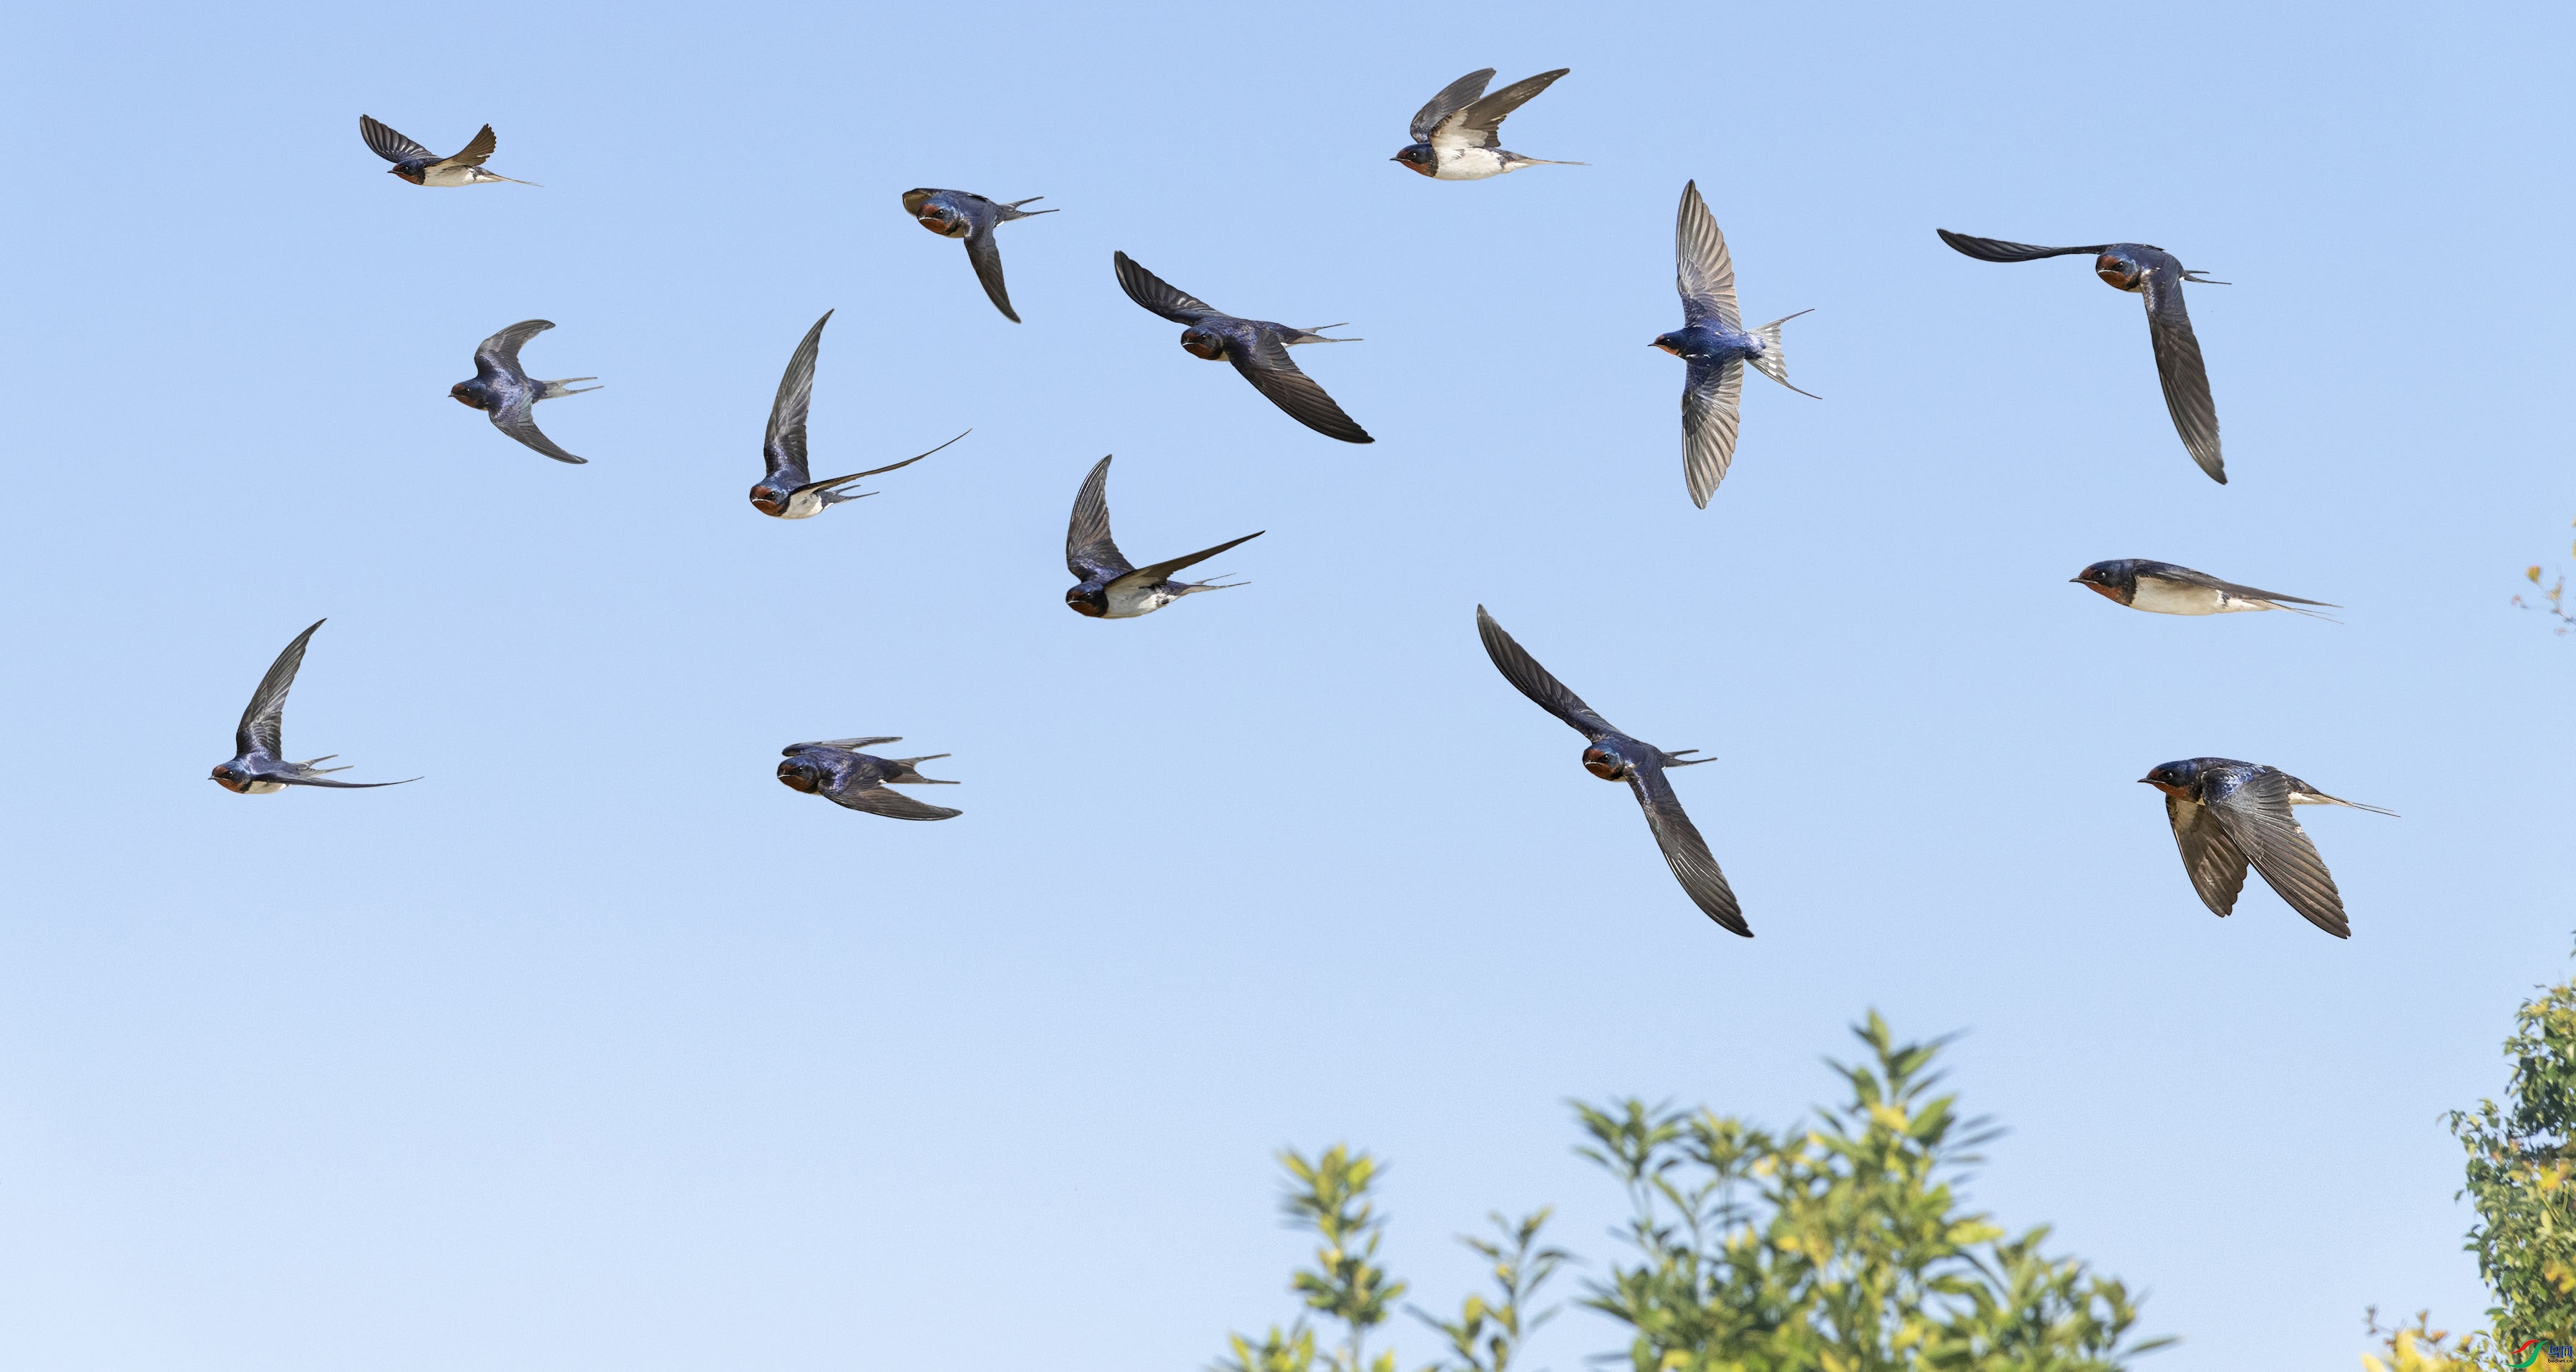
<point x="1840" y="1247"/>
<point x="1837" y="1247"/>
<point x="2519" y="1174"/>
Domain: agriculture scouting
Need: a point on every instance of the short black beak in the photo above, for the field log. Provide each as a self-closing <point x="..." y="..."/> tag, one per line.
<point x="2146" y="781"/>
<point x="2076" y="579"/>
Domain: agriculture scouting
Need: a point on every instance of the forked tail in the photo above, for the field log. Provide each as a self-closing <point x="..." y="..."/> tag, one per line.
<point x="553" y="389"/>
<point x="1771" y="361"/>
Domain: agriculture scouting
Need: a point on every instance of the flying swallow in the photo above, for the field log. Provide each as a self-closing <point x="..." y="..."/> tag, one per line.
<point x="2227" y="813"/>
<point x="421" y="167"/>
<point x="1713" y="340"/>
<point x="1112" y="587"/>
<point x="503" y="391"/>
<point x="1614" y="756"/>
<point x="837" y="771"/>
<point x="966" y="215"/>
<point x="1457" y="137"/>
<point x="1256" y="347"/>
<point x="255" y="768"/>
<point x="2165" y="589"/>
<point x="786" y="490"/>
<point x="2153" y="273"/>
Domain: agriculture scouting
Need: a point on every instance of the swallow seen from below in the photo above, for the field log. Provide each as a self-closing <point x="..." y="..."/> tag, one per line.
<point x="255" y="768"/>
<point x="1256" y="347"/>
<point x="501" y="390"/>
<point x="1614" y="756"/>
<point x="786" y="489"/>
<point x="421" y="167"/>
<point x="2165" y="589"/>
<point x="1112" y="587"/>
<point x="966" y="215"/>
<point x="836" y="770"/>
<point x="2226" y="814"/>
<point x="2153" y="273"/>
<point x="1458" y="136"/>
<point x="1713" y="340"/>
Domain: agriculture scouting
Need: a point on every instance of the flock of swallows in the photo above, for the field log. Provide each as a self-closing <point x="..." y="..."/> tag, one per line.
<point x="2225" y="814"/>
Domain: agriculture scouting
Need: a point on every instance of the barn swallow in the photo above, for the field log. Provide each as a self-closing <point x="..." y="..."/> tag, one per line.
<point x="2165" y="589"/>
<point x="1457" y="137"/>
<point x="1614" y="756"/>
<point x="966" y="215"/>
<point x="255" y="768"/>
<point x="1713" y="340"/>
<point x="2227" y="813"/>
<point x="421" y="167"/>
<point x="503" y="391"/>
<point x="1112" y="587"/>
<point x="1256" y="347"/>
<point x="2152" y="272"/>
<point x="837" y="771"/>
<point x="786" y="491"/>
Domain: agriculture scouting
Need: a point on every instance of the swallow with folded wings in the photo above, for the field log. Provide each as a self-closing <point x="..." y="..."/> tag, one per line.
<point x="836" y="770"/>
<point x="1458" y="136"/>
<point x="502" y="390"/>
<point x="421" y="167"/>
<point x="1714" y="341"/>
<point x="2165" y="589"/>
<point x="1112" y="587"/>
<point x="1614" y="756"/>
<point x="966" y="215"/>
<point x="786" y="489"/>
<point x="2153" y="273"/>
<point x="255" y="768"/>
<point x="2226" y="814"/>
<point x="1258" y="349"/>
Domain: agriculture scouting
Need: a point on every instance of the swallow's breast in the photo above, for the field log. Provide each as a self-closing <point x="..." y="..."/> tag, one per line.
<point x="2159" y="596"/>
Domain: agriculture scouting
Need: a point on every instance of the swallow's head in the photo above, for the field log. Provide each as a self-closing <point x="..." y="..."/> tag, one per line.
<point x="797" y="774"/>
<point x="1603" y="761"/>
<point x="770" y="498"/>
<point x="2116" y="580"/>
<point x="1206" y="343"/>
<point x="2119" y="270"/>
<point x="232" y="778"/>
<point x="467" y="393"/>
<point x="937" y="217"/>
<point x="1419" y="157"/>
<point x="1090" y="600"/>
<point x="1670" y="342"/>
<point x="407" y="172"/>
<point x="2173" y="778"/>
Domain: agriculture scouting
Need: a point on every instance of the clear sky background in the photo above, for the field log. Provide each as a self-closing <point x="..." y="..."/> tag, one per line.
<point x="599" y="1049"/>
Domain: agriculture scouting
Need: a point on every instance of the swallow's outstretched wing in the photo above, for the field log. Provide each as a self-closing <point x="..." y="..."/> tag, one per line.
<point x="1273" y="373"/>
<point x="518" y="422"/>
<point x="499" y="354"/>
<point x="1702" y="270"/>
<point x="263" y="719"/>
<point x="843" y="744"/>
<point x="2211" y="858"/>
<point x="1684" y="850"/>
<point x="1997" y="250"/>
<point x="1148" y="575"/>
<point x="1479" y="124"/>
<point x="831" y="481"/>
<point x="1712" y="410"/>
<point x="1162" y="297"/>
<point x="2179" y="369"/>
<point x="475" y="153"/>
<point x="2253" y="810"/>
<point x="878" y="800"/>
<point x="1089" y="552"/>
<point x="783" y="447"/>
<point x="392" y="146"/>
<point x="308" y="779"/>
<point x="986" y="254"/>
<point x="1455" y="96"/>
<point x="1536" y="682"/>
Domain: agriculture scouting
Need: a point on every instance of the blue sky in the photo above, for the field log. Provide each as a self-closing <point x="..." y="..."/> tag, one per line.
<point x="599" y="1049"/>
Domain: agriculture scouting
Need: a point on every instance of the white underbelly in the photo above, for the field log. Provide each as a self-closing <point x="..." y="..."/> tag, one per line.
<point x="1469" y="164"/>
<point x="263" y="788"/>
<point x="803" y="505"/>
<point x="2168" y="598"/>
<point x="1144" y="601"/>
